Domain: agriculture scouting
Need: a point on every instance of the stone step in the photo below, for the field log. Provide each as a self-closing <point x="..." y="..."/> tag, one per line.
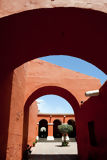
<point x="55" y="140"/>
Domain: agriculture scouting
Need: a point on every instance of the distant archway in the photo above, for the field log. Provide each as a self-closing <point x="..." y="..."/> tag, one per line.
<point x="43" y="128"/>
<point x="45" y="91"/>
<point x="73" y="133"/>
<point x="56" y="132"/>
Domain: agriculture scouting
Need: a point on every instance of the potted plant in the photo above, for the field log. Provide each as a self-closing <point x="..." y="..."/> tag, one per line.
<point x="33" y="144"/>
<point x="65" y="129"/>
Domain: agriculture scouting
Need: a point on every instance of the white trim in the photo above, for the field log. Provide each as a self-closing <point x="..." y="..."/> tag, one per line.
<point x="50" y="124"/>
<point x="50" y="138"/>
<point x="37" y="137"/>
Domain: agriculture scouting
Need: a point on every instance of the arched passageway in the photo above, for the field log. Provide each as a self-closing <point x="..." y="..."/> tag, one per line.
<point x="43" y="128"/>
<point x="73" y="133"/>
<point x="46" y="91"/>
<point x="83" y="34"/>
<point x="56" y="132"/>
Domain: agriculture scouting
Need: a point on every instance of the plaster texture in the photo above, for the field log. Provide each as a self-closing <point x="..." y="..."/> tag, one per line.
<point x="14" y="143"/>
<point x="40" y="73"/>
<point x="32" y="128"/>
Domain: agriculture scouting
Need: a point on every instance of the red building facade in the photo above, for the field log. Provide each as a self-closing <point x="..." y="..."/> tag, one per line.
<point x="51" y="122"/>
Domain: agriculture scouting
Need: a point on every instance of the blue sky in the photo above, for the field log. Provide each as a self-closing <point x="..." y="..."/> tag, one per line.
<point x="56" y="104"/>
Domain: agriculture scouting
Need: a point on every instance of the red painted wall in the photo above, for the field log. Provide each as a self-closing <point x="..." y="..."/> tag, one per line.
<point x="54" y="117"/>
<point x="5" y="96"/>
<point x="14" y="144"/>
<point x="32" y="128"/>
<point x="40" y="73"/>
<point x="50" y="119"/>
<point x="94" y="109"/>
<point x="27" y="79"/>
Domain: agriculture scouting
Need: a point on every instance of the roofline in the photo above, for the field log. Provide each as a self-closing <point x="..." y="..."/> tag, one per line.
<point x="56" y="114"/>
<point x="91" y="77"/>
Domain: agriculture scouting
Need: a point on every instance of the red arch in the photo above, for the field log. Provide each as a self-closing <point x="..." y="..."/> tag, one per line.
<point x="45" y="126"/>
<point x="45" y="91"/>
<point x="31" y="34"/>
<point x="42" y="32"/>
<point x="53" y="90"/>
<point x="58" y="120"/>
<point x="43" y="119"/>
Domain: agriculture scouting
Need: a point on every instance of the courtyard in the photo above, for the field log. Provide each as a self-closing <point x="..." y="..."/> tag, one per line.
<point x="54" y="151"/>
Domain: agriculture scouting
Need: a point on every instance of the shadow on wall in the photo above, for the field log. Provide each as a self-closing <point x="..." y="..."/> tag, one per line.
<point x="5" y="98"/>
<point x="84" y="34"/>
<point x="93" y="122"/>
<point x="54" y="157"/>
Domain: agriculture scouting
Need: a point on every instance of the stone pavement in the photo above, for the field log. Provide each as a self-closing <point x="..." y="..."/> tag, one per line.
<point x="54" y="151"/>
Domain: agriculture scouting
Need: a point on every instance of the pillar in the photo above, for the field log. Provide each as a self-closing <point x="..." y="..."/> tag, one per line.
<point x="50" y="132"/>
<point x="64" y="119"/>
<point x="37" y="131"/>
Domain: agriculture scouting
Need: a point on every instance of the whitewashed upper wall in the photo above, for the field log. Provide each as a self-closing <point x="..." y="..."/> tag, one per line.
<point x="8" y="7"/>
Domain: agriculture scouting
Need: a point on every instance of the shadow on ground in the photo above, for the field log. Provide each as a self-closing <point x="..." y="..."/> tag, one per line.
<point x="53" y="157"/>
<point x="55" y="140"/>
<point x="62" y="146"/>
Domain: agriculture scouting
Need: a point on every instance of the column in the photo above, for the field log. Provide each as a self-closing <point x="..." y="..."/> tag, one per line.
<point x="37" y="131"/>
<point x="50" y="132"/>
<point x="64" y="119"/>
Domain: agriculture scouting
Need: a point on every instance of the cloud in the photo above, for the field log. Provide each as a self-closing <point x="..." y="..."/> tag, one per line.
<point x="53" y="104"/>
<point x="40" y="101"/>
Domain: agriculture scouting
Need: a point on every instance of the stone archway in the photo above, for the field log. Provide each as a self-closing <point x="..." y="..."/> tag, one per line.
<point x="72" y="134"/>
<point x="44" y="91"/>
<point x="59" y="36"/>
<point x="43" y="128"/>
<point x="56" y="133"/>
